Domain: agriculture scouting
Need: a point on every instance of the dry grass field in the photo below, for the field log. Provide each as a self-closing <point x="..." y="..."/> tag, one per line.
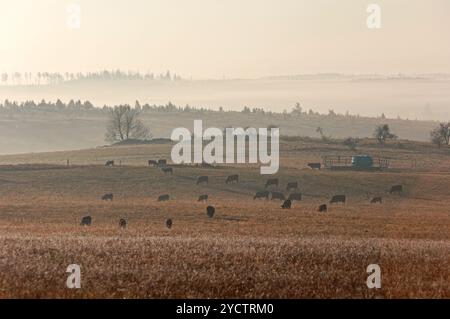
<point x="249" y="249"/>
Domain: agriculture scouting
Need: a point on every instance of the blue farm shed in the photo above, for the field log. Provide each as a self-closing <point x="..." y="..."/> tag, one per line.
<point x="362" y="162"/>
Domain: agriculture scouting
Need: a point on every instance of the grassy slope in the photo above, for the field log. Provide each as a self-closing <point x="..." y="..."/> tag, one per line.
<point x="49" y="131"/>
<point x="250" y="249"/>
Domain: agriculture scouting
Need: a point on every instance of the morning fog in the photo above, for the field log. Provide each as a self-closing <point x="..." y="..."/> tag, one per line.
<point x="236" y="141"/>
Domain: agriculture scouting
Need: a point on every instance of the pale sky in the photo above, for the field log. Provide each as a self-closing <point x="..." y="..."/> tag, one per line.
<point x="235" y="38"/>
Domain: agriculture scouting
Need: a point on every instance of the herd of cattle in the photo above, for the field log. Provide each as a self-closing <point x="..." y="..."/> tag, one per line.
<point x="292" y="189"/>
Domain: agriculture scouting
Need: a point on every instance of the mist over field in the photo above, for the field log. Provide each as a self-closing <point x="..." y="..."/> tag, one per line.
<point x="411" y="106"/>
<point x="424" y="97"/>
<point x="322" y="54"/>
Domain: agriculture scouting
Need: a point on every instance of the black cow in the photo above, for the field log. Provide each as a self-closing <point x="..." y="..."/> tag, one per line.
<point x="169" y="223"/>
<point x="295" y="196"/>
<point x="232" y="178"/>
<point x="396" y="189"/>
<point x="323" y="208"/>
<point x="376" y="200"/>
<point x="315" y="165"/>
<point x="203" y="198"/>
<point x="108" y="197"/>
<point x="163" y="198"/>
<point x="210" y="211"/>
<point x="263" y="194"/>
<point x="109" y="163"/>
<point x="292" y="185"/>
<point x="167" y="170"/>
<point x="203" y="179"/>
<point x="278" y="195"/>
<point x="338" y="199"/>
<point x="152" y="163"/>
<point x="273" y="181"/>
<point x="86" y="221"/>
<point x="122" y="223"/>
<point x="287" y="204"/>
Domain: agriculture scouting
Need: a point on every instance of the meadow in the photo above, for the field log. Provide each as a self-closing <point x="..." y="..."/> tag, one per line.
<point x="249" y="249"/>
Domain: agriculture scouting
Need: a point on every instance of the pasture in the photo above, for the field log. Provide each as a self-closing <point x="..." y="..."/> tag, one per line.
<point x="248" y="249"/>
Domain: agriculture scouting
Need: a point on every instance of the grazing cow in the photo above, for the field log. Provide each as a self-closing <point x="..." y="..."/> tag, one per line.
<point x="338" y="199"/>
<point x="396" y="189"/>
<point x="109" y="163"/>
<point x="323" y="208"/>
<point x="376" y="200"/>
<point x="169" y="223"/>
<point x="203" y="198"/>
<point x="278" y="195"/>
<point x="152" y="163"/>
<point x="86" y="221"/>
<point x="292" y="185"/>
<point x="315" y="165"/>
<point x="163" y="198"/>
<point x="108" y="197"/>
<point x="273" y="181"/>
<point x="167" y="170"/>
<point x="122" y="223"/>
<point x="295" y="196"/>
<point x="202" y="179"/>
<point x="287" y="204"/>
<point x="263" y="194"/>
<point x="162" y="162"/>
<point x="210" y="211"/>
<point x="232" y="178"/>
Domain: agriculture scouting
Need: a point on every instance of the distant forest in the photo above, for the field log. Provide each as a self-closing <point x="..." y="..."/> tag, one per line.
<point x="46" y="78"/>
<point x="86" y="107"/>
<point x="51" y="78"/>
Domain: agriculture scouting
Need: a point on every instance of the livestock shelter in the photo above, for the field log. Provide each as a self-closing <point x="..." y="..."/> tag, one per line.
<point x="356" y="162"/>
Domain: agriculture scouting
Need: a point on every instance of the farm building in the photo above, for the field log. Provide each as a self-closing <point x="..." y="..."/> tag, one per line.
<point x="356" y="162"/>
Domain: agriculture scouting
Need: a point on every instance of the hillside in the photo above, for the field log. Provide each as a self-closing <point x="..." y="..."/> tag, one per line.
<point x="51" y="130"/>
<point x="270" y="252"/>
<point x="295" y="153"/>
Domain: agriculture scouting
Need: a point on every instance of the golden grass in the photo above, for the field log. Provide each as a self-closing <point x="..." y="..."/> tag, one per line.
<point x="250" y="249"/>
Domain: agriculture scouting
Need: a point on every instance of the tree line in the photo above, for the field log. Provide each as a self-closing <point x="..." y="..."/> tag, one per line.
<point x="86" y="106"/>
<point x="45" y="78"/>
<point x="74" y="106"/>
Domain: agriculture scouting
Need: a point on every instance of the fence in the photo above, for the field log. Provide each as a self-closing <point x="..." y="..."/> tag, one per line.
<point x="345" y="162"/>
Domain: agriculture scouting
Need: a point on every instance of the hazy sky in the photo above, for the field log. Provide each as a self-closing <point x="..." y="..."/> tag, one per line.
<point x="235" y="38"/>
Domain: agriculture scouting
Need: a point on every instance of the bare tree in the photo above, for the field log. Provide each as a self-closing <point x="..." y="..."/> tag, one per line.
<point x="441" y="134"/>
<point x="124" y="124"/>
<point x="383" y="133"/>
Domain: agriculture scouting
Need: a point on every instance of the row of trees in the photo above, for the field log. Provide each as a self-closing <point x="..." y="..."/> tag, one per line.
<point x="169" y="107"/>
<point x="75" y="106"/>
<point x="39" y="78"/>
<point x="58" y="106"/>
